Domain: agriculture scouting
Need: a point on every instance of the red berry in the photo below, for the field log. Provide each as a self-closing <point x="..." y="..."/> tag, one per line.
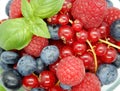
<point x="93" y="35"/>
<point x="56" y="88"/>
<point x="47" y="79"/>
<point x="63" y="19"/>
<point x="79" y="48"/>
<point x="87" y="59"/>
<point x="36" y="45"/>
<point x="30" y="81"/>
<point x="82" y="36"/>
<point x="70" y="71"/>
<point x="77" y="25"/>
<point x="100" y="49"/>
<point x="65" y="33"/>
<point x="112" y="15"/>
<point x="110" y="55"/>
<point x="90" y="12"/>
<point x="66" y="51"/>
<point x="89" y="83"/>
<point x="53" y="19"/>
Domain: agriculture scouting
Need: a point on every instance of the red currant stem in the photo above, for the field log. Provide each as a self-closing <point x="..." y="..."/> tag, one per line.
<point x="109" y="43"/>
<point x="58" y="82"/>
<point x="71" y="22"/>
<point x="95" y="57"/>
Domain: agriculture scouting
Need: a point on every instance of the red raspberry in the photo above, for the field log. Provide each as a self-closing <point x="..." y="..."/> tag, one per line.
<point x="15" y="9"/>
<point x="70" y="70"/>
<point x="90" y="83"/>
<point x="112" y="15"/>
<point x="90" y="12"/>
<point x="36" y="45"/>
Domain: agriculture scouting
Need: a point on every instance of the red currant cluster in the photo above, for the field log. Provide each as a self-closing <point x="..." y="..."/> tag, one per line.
<point x="94" y="46"/>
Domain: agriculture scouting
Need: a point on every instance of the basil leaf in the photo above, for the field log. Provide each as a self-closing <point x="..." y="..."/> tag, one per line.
<point x="47" y="8"/>
<point x="39" y="28"/>
<point x="14" y="34"/>
<point x="2" y="88"/>
<point x="27" y="10"/>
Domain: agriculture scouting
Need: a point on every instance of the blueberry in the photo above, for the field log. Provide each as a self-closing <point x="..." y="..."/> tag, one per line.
<point x="117" y="61"/>
<point x="107" y="73"/>
<point x="65" y="87"/>
<point x="49" y="54"/>
<point x="12" y="79"/>
<point x="37" y="89"/>
<point x="5" y="66"/>
<point x="109" y="3"/>
<point x="40" y="65"/>
<point x="7" y="8"/>
<point x="115" y="30"/>
<point x="53" y="29"/>
<point x="9" y="57"/>
<point x="26" y="65"/>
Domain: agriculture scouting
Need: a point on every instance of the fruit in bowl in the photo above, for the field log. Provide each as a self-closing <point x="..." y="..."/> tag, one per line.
<point x="62" y="45"/>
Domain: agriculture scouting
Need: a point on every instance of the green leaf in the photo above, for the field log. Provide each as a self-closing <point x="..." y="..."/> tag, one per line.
<point x="46" y="8"/>
<point x="2" y="88"/>
<point x="14" y="34"/>
<point x="27" y="10"/>
<point x="39" y="28"/>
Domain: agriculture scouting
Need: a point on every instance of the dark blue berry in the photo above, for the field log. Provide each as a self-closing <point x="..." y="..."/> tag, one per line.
<point x="65" y="87"/>
<point x="5" y="66"/>
<point x="37" y="89"/>
<point x="107" y="73"/>
<point x="115" y="30"/>
<point x="53" y="29"/>
<point x="40" y="65"/>
<point x="49" y="54"/>
<point x="109" y="3"/>
<point x="7" y="8"/>
<point x="12" y="79"/>
<point x="117" y="61"/>
<point x="26" y="65"/>
<point x="9" y="57"/>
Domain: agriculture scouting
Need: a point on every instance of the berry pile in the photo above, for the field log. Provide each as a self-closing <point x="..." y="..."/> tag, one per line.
<point x="83" y="53"/>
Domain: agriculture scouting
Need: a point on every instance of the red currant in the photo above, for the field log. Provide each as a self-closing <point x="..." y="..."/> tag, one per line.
<point x="93" y="35"/>
<point x="47" y="79"/>
<point x="77" y="25"/>
<point x="110" y="55"/>
<point x="30" y="81"/>
<point x="100" y="49"/>
<point x="79" y="48"/>
<point x="66" y="51"/>
<point x="65" y="33"/>
<point x="53" y="19"/>
<point x="82" y="36"/>
<point x="63" y="19"/>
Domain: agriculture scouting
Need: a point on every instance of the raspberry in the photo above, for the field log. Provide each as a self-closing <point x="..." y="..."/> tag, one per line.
<point x="90" y="12"/>
<point x="15" y="9"/>
<point x="70" y="70"/>
<point x="36" y="45"/>
<point x="90" y="83"/>
<point x="112" y="15"/>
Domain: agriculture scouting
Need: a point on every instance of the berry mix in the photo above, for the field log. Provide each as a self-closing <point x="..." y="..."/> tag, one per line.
<point x="62" y="45"/>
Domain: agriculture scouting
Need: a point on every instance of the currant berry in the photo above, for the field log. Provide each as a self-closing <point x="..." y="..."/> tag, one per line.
<point x="66" y="51"/>
<point x="87" y="59"/>
<point x="110" y="55"/>
<point x="93" y="35"/>
<point x="47" y="79"/>
<point x="82" y="36"/>
<point x="65" y="33"/>
<point x="77" y="25"/>
<point x="53" y="19"/>
<point x="100" y="49"/>
<point x="63" y="19"/>
<point x="79" y="48"/>
<point x="30" y="81"/>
